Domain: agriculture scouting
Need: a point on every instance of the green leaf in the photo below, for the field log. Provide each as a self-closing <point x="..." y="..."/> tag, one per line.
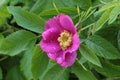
<point x="82" y="74"/>
<point x="55" y="73"/>
<point x="16" y="42"/>
<point x="114" y="13"/>
<point x="1" y="74"/>
<point x="89" y="55"/>
<point x="3" y="15"/>
<point x="119" y="39"/>
<point x="39" y="62"/>
<point x="3" y="3"/>
<point x="103" y="19"/>
<point x="102" y="47"/>
<point x="82" y="3"/>
<point x="25" y="65"/>
<point x="27" y="19"/>
<point x="53" y="12"/>
<point x="108" y="69"/>
<point x="41" y="5"/>
<point x="1" y="38"/>
<point x="110" y="30"/>
<point x="107" y="7"/>
<point x="14" y="74"/>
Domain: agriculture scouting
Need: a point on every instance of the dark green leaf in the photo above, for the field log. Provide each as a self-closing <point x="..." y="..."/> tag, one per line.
<point x="102" y="47"/>
<point x="39" y="62"/>
<point x="1" y="76"/>
<point x="82" y="3"/>
<point x="1" y="38"/>
<point x="108" y="69"/>
<point x="53" y="12"/>
<point x="42" y="5"/>
<point x="27" y="19"/>
<point x="119" y="39"/>
<point x="89" y="55"/>
<point x="55" y="73"/>
<point x="82" y="74"/>
<point x="14" y="74"/>
<point x="111" y="30"/>
<point x="16" y="42"/>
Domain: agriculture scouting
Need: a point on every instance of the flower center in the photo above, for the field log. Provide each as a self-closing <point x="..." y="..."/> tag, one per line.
<point x="65" y="39"/>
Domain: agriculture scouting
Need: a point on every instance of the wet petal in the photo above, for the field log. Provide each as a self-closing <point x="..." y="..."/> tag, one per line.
<point x="49" y="46"/>
<point x="67" y="23"/>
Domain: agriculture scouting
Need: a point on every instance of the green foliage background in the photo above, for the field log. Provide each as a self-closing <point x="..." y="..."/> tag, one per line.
<point x="21" y="25"/>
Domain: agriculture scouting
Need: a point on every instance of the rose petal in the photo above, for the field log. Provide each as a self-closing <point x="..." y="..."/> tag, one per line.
<point x="49" y="46"/>
<point x="67" y="23"/>
<point x="52" y="55"/>
<point x="53" y="23"/>
<point x="70" y="58"/>
<point x="65" y="59"/>
<point x="51" y="34"/>
<point x="75" y="43"/>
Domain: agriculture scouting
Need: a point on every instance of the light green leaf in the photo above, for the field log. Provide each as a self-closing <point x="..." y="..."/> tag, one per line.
<point x="82" y="74"/>
<point x="16" y="42"/>
<point x="27" y="19"/>
<point x="3" y="15"/>
<point x="25" y="65"/>
<point x="107" y="7"/>
<point x="114" y="13"/>
<point x="14" y="74"/>
<point x="1" y="74"/>
<point x="103" y="19"/>
<point x="39" y="62"/>
<point x="3" y="3"/>
<point x="102" y="47"/>
<point x="89" y="55"/>
<point x="55" y="73"/>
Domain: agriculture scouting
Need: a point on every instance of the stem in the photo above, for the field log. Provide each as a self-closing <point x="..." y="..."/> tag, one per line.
<point x="39" y="36"/>
<point x="55" y="7"/>
<point x="82" y="29"/>
<point x="81" y="65"/>
<point x="3" y="58"/>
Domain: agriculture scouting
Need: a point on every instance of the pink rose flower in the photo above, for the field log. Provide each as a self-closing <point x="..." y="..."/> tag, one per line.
<point x="60" y="40"/>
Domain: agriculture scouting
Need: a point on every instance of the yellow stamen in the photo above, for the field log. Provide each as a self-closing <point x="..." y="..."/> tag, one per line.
<point x="65" y="39"/>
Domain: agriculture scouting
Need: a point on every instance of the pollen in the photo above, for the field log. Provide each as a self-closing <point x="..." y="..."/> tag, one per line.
<point x="65" y="39"/>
